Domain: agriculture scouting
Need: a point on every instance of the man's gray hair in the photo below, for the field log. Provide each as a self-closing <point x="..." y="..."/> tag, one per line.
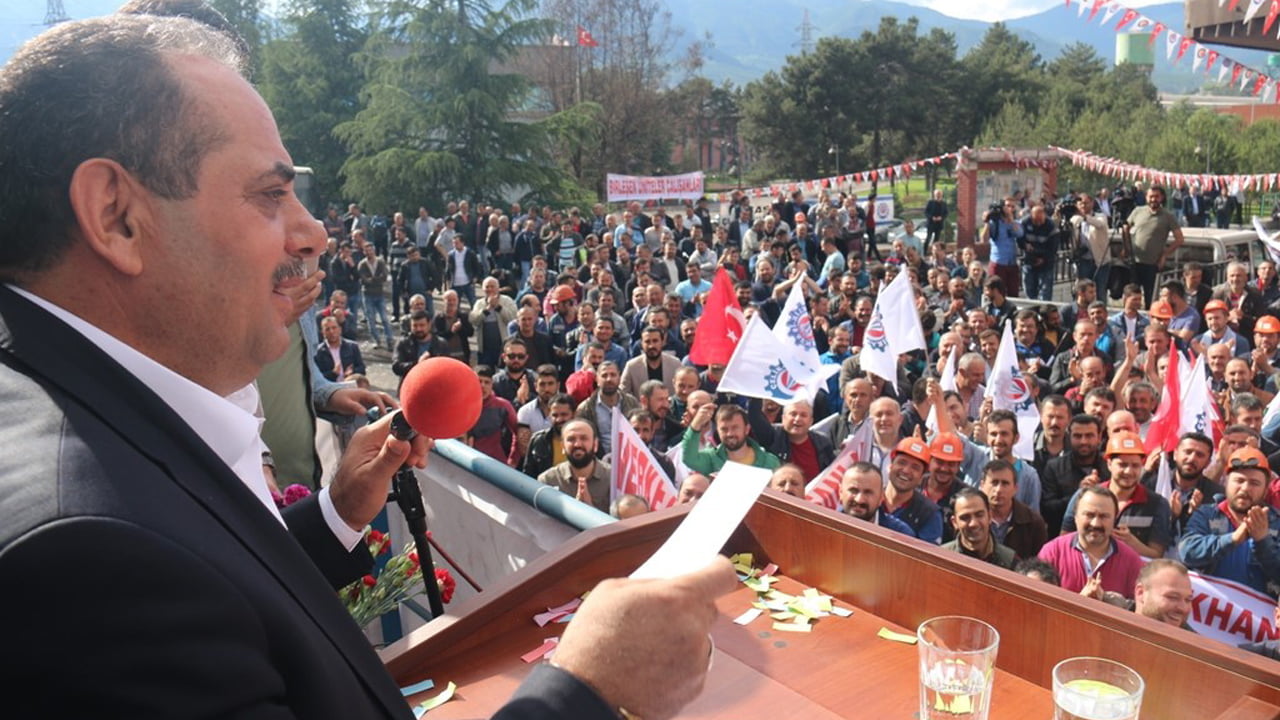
<point x="99" y="88"/>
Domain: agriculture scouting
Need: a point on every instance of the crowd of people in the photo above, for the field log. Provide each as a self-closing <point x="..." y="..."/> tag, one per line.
<point x="578" y="314"/>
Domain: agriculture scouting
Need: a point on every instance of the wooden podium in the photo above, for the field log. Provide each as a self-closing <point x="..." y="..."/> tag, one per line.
<point x="841" y="669"/>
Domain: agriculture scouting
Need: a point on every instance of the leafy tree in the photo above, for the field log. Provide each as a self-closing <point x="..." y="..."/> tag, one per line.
<point x="626" y="74"/>
<point x="1002" y="69"/>
<point x="887" y="96"/>
<point x="310" y="80"/>
<point x="246" y="16"/>
<point x="440" y="106"/>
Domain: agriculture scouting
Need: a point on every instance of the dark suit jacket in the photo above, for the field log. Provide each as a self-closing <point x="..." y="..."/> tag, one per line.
<point x="348" y="352"/>
<point x="203" y="604"/>
<point x="1252" y="307"/>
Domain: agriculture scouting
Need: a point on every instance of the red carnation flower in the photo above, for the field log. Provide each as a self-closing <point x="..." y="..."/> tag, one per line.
<point x="369" y="581"/>
<point x="447" y="584"/>
<point x="294" y="493"/>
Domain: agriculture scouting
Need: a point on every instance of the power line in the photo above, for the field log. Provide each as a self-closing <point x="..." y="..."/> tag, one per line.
<point x="55" y="13"/>
<point x="806" y="33"/>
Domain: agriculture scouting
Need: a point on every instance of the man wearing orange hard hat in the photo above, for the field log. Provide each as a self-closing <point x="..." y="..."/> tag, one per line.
<point x="1144" y="521"/>
<point x="1215" y="318"/>
<point x="1235" y="539"/>
<point x="1266" y="345"/>
<point x="945" y="455"/>
<point x="902" y="497"/>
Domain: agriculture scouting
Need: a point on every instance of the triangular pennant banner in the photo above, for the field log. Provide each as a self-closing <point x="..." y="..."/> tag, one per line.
<point x="1097" y="5"/>
<point x="1155" y="33"/>
<point x="1271" y="16"/>
<point x="1201" y="52"/>
<point x="1213" y="57"/>
<point x="1112" y="9"/>
<point x="1171" y="40"/>
<point x="1128" y="17"/>
<point x="1254" y="7"/>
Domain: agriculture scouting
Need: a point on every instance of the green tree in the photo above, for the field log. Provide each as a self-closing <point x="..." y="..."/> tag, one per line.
<point x="442" y="106"/>
<point x="627" y="74"/>
<point x="1259" y="146"/>
<point x="1000" y="70"/>
<point x="246" y="16"/>
<point x="885" y="97"/>
<point x="310" y="80"/>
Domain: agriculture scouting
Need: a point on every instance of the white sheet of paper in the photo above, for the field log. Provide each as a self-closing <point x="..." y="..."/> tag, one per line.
<point x="709" y="524"/>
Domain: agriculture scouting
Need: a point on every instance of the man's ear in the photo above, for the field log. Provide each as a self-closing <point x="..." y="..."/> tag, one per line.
<point x="112" y="210"/>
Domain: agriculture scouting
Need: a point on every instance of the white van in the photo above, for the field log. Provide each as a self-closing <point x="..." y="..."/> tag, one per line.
<point x="1213" y="249"/>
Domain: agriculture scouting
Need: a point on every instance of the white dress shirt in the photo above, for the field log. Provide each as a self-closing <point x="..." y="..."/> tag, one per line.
<point x="228" y="425"/>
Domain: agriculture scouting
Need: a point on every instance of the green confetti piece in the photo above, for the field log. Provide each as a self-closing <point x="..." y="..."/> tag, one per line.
<point x="445" y="696"/>
<point x="888" y="634"/>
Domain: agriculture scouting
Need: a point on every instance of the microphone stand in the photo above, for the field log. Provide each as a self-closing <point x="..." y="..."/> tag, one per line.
<point x="406" y="493"/>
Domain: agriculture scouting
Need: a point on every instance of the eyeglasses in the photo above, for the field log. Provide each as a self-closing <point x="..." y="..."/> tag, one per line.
<point x="1242" y="463"/>
<point x="516" y="356"/>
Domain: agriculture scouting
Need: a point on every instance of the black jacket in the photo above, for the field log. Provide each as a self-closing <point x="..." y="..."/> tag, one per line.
<point x="215" y="607"/>
<point x="538" y="458"/>
<point x="773" y="438"/>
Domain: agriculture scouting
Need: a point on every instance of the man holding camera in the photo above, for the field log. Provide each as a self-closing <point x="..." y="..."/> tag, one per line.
<point x="1003" y="231"/>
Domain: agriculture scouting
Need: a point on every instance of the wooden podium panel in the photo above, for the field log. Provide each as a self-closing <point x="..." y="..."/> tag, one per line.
<point x="840" y="669"/>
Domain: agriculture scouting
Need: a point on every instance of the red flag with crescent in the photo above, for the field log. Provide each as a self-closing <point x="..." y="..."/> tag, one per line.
<point x="721" y="324"/>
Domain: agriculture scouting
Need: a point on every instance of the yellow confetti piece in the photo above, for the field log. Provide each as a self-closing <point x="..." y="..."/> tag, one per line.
<point x="743" y="559"/>
<point x="792" y="627"/>
<point x="744" y="569"/>
<point x="779" y="595"/>
<point x="841" y="612"/>
<point x="957" y="705"/>
<point x="784" y="615"/>
<point x="888" y="634"/>
<point x="445" y="696"/>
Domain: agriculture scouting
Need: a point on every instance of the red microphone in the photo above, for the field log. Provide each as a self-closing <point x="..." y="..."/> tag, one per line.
<point x="440" y="398"/>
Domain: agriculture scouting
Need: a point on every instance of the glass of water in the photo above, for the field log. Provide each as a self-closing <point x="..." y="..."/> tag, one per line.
<point x="957" y="667"/>
<point x="1090" y="688"/>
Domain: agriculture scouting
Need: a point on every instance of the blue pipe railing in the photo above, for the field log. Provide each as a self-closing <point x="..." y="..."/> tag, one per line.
<point x="543" y="498"/>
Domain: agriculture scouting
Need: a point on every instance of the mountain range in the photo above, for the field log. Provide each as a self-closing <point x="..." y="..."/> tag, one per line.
<point x="750" y="37"/>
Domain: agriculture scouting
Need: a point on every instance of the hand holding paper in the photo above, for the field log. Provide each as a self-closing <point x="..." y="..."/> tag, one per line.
<point x="628" y="643"/>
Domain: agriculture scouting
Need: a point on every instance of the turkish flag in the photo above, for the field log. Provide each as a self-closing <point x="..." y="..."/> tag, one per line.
<point x="720" y="326"/>
<point x="1163" y="431"/>
<point x="585" y="39"/>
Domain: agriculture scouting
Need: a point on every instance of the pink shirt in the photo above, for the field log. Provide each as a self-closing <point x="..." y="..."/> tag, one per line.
<point x="1119" y="569"/>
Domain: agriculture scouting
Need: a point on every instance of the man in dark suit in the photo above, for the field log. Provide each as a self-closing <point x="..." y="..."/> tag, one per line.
<point x="131" y="452"/>
<point x="337" y="357"/>
<point x="935" y="217"/>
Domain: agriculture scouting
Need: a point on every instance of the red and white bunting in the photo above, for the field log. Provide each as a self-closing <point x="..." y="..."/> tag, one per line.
<point x="1272" y="13"/>
<point x="1112" y="9"/>
<point x="1133" y="21"/>
<point x="1254" y="7"/>
<point x="1155" y="33"/>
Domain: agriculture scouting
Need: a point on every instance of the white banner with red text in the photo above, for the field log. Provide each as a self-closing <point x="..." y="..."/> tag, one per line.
<point x="655" y="187"/>
<point x="1230" y="612"/>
